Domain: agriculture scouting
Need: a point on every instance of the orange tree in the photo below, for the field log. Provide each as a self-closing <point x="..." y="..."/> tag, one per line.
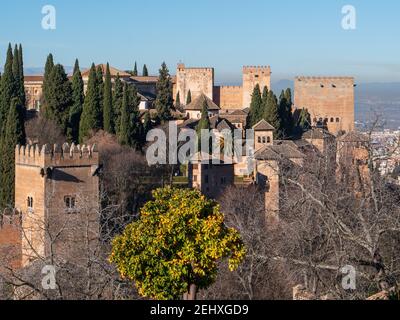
<point x="174" y="248"/>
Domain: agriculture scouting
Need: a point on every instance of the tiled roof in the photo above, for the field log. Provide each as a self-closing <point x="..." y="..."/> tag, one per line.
<point x="263" y="126"/>
<point x="317" y="133"/>
<point x="145" y="79"/>
<point x="354" y="137"/>
<point x="278" y="152"/>
<point x="34" y="78"/>
<point x="197" y="104"/>
<point x="113" y="71"/>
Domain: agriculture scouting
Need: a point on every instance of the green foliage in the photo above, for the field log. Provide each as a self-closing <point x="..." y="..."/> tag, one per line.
<point x="178" y="100"/>
<point x="7" y="88"/>
<point x="145" y="72"/>
<point x="46" y="81"/>
<point x="178" y="242"/>
<point x="108" y="114"/>
<point x="100" y="92"/>
<point x="117" y="103"/>
<point x="303" y="121"/>
<point x="164" y="101"/>
<point x="22" y="95"/>
<point x="285" y="111"/>
<point x="78" y="97"/>
<point x="135" y="70"/>
<point x="59" y="97"/>
<point x="189" y="97"/>
<point x="91" y="114"/>
<point x="204" y="124"/>
<point x="147" y="125"/>
<point x="256" y="107"/>
<point x="14" y="134"/>
<point x="131" y="129"/>
<point x="273" y="116"/>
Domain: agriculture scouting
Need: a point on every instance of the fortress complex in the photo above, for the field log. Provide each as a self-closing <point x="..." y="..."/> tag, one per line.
<point x="201" y="81"/>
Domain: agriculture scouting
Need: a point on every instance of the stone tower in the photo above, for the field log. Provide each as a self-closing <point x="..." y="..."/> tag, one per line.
<point x="57" y="194"/>
<point x="329" y="100"/>
<point x="197" y="80"/>
<point x="253" y="76"/>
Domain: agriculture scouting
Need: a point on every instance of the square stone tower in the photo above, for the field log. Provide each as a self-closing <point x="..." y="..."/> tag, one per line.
<point x="252" y="76"/>
<point x="329" y="100"/>
<point x="197" y="80"/>
<point x="57" y="194"/>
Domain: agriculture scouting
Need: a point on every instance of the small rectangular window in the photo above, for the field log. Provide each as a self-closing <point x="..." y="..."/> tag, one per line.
<point x="70" y="202"/>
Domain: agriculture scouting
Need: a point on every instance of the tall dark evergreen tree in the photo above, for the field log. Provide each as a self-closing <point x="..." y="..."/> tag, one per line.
<point x="164" y="101"/>
<point x="91" y="114"/>
<point x="59" y="97"/>
<point x="78" y="97"/>
<point x="146" y="124"/>
<point x="303" y="121"/>
<point x="17" y="73"/>
<point x="145" y="71"/>
<point x="135" y="70"/>
<point x="204" y="124"/>
<point x="118" y="95"/>
<point x="178" y="100"/>
<point x="131" y="129"/>
<point x="285" y="111"/>
<point x="46" y="81"/>
<point x="7" y="89"/>
<point x="100" y="91"/>
<point x="14" y="134"/>
<point x="256" y="107"/>
<point x="189" y="97"/>
<point x="22" y="95"/>
<point x="273" y="116"/>
<point x="108" y="114"/>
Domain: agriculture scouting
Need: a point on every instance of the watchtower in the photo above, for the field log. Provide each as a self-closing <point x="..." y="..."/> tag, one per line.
<point x="57" y="194"/>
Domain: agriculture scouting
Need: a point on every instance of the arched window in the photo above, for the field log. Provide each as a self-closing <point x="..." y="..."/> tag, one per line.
<point x="259" y="139"/>
<point x="268" y="139"/>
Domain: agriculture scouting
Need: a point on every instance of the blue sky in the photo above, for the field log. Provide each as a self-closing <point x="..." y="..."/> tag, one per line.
<point x="294" y="37"/>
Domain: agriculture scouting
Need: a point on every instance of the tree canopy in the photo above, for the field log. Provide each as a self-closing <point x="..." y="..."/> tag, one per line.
<point x="176" y="244"/>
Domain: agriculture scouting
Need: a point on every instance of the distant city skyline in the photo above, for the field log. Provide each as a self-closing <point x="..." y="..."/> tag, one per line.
<point x="295" y="38"/>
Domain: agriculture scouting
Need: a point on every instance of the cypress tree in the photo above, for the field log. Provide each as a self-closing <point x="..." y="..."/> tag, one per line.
<point x="164" y="101"/>
<point x="304" y="121"/>
<point x="256" y="106"/>
<point x="108" y="115"/>
<point x="100" y="91"/>
<point x="78" y="98"/>
<point x="135" y="70"/>
<point x="178" y="100"/>
<point x="59" y="97"/>
<point x="47" y="71"/>
<point x="285" y="110"/>
<point x="21" y="76"/>
<point x="145" y="71"/>
<point x="131" y="127"/>
<point x="16" y="73"/>
<point x="203" y="124"/>
<point x="14" y="134"/>
<point x="272" y="115"/>
<point x="118" y="95"/>
<point x="91" y="114"/>
<point x="189" y="97"/>
<point x="7" y="89"/>
<point x="146" y="124"/>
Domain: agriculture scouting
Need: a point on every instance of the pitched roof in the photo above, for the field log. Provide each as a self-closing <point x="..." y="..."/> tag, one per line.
<point x="197" y="104"/>
<point x="278" y="152"/>
<point x="238" y="113"/>
<point x="149" y="79"/>
<point x="354" y="136"/>
<point x="113" y="71"/>
<point x="263" y="126"/>
<point x="34" y="78"/>
<point x="317" y="133"/>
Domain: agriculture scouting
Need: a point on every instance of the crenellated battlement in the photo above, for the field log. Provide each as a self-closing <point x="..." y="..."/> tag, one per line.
<point x="256" y="69"/>
<point x="10" y="220"/>
<point x="66" y="154"/>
